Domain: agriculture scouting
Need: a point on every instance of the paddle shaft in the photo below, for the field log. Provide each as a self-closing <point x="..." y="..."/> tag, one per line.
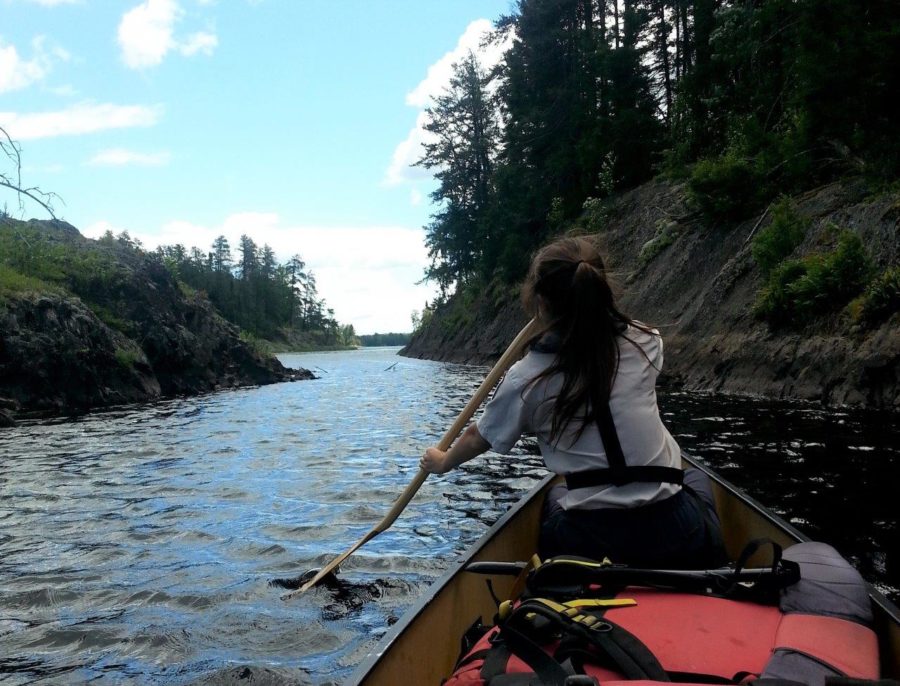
<point x="505" y="362"/>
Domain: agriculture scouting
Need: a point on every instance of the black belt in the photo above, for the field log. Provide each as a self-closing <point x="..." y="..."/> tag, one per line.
<point x="622" y="476"/>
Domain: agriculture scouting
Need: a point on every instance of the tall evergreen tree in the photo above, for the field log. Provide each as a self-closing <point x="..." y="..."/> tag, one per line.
<point x="634" y="127"/>
<point x="553" y="143"/>
<point x="463" y="123"/>
<point x="249" y="258"/>
<point x="220" y="257"/>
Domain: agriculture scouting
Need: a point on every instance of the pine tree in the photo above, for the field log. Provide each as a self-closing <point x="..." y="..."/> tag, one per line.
<point x="463" y="123"/>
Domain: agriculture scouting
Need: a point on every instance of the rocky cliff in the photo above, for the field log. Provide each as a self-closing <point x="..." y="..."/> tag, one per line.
<point x="107" y="324"/>
<point x="698" y="284"/>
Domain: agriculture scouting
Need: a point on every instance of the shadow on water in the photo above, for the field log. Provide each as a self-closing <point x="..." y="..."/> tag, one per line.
<point x="152" y="545"/>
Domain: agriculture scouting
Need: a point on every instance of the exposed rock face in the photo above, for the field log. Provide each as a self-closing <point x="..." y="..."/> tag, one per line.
<point x="55" y="355"/>
<point x="700" y="290"/>
<point x="58" y="357"/>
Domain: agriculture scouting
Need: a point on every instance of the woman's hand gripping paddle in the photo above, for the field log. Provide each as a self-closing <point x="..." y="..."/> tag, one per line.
<point x="504" y="363"/>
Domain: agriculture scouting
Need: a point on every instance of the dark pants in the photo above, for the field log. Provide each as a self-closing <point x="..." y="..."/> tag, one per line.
<point x="680" y="532"/>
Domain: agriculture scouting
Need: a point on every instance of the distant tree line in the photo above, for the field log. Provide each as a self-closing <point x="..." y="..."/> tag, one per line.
<point x="376" y="339"/>
<point x="745" y="99"/>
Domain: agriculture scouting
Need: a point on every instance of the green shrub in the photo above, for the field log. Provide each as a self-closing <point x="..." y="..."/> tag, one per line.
<point x="127" y="357"/>
<point x="108" y="317"/>
<point x="421" y="320"/>
<point x="594" y="215"/>
<point x="779" y="239"/>
<point x="799" y="290"/>
<point x="726" y="188"/>
<point x="882" y="297"/>
<point x="556" y="217"/>
<point x="260" y="346"/>
<point x="460" y="312"/>
<point x="667" y="231"/>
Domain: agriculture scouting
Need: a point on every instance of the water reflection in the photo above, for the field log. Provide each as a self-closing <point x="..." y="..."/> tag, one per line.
<point x="138" y="545"/>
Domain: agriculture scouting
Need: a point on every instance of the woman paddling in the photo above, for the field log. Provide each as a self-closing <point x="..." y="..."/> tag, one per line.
<point x="587" y="390"/>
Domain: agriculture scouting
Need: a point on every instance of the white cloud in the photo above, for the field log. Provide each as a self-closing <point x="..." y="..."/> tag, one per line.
<point x="78" y="119"/>
<point x="147" y="34"/>
<point x="409" y="151"/>
<point x="415" y="197"/>
<point x="439" y="73"/>
<point x="199" y="42"/>
<point x="120" y="157"/>
<point x="366" y="274"/>
<point x="97" y="229"/>
<point x="437" y="79"/>
<point x="17" y="73"/>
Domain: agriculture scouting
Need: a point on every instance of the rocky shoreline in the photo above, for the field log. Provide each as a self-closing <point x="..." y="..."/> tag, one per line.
<point x="140" y="339"/>
<point x="699" y="289"/>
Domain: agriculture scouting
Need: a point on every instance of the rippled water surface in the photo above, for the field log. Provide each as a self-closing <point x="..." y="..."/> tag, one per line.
<point x="138" y="546"/>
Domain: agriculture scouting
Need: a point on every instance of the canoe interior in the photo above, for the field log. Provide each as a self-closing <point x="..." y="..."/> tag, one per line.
<point x="423" y="646"/>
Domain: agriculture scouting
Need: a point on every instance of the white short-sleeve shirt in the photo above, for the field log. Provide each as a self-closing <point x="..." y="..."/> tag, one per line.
<point x="519" y="406"/>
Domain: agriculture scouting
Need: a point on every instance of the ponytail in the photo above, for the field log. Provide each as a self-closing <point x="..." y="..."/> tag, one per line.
<point x="568" y="291"/>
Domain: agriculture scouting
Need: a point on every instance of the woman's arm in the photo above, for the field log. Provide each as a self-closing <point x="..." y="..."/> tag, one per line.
<point x="469" y="445"/>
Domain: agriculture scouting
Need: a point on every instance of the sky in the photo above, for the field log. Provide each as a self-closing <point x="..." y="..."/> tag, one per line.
<point x="292" y="121"/>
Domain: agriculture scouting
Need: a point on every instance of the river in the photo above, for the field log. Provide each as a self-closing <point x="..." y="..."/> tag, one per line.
<point x="139" y="545"/>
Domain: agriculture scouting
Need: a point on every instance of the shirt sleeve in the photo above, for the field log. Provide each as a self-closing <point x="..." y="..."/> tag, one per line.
<point x="504" y="418"/>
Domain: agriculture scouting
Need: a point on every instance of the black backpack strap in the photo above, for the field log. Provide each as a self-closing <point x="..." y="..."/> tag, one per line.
<point x="767" y="588"/>
<point x="616" y="648"/>
<point x="495" y="661"/>
<point x="754" y="546"/>
<point x="619" y="473"/>
<point x="512" y="642"/>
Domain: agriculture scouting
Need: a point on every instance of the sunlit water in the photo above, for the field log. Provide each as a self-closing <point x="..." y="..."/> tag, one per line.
<point x="138" y="545"/>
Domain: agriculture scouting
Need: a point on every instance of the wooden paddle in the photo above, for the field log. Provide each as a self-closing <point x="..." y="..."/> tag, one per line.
<point x="504" y="363"/>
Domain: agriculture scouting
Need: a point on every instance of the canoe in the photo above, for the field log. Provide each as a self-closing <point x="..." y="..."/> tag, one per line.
<point x="423" y="647"/>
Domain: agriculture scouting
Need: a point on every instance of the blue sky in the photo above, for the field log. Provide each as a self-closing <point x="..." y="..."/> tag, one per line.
<point x="293" y="121"/>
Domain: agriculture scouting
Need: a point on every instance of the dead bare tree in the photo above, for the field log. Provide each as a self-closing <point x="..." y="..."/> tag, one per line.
<point x="12" y="180"/>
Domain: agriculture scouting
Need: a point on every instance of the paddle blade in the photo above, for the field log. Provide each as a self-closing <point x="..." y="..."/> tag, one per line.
<point x="331" y="566"/>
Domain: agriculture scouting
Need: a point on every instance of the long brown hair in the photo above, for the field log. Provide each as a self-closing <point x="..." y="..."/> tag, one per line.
<point x="567" y="289"/>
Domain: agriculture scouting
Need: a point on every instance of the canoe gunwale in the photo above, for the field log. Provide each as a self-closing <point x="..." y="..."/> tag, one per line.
<point x="387" y="641"/>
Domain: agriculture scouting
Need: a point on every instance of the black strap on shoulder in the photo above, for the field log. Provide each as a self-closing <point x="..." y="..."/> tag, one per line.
<point x="619" y="473"/>
<point x="610" y="437"/>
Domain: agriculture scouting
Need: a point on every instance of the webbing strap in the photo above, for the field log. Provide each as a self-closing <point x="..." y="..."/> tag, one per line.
<point x="619" y="472"/>
<point x="610" y="437"/>
<point x="548" y="670"/>
<point x="625" y="475"/>
<point x="495" y="661"/>
<point x="601" y="602"/>
<point x="625" y="652"/>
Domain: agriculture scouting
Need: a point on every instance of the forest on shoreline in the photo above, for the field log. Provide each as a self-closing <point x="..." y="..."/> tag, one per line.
<point x="274" y="304"/>
<point x="745" y="104"/>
